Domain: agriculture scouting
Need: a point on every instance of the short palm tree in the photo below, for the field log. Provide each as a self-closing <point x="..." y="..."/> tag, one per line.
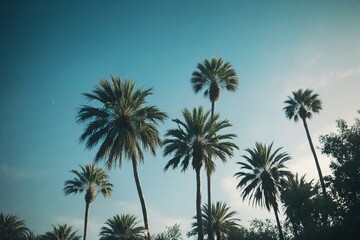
<point x="297" y="198"/>
<point x="12" y="228"/>
<point x="211" y="76"/>
<point x="223" y="220"/>
<point x="262" y="176"/>
<point x="302" y="105"/>
<point x="33" y="236"/>
<point x="61" y="232"/>
<point x="196" y="139"/>
<point x="91" y="180"/>
<point x="123" y="124"/>
<point x="123" y="227"/>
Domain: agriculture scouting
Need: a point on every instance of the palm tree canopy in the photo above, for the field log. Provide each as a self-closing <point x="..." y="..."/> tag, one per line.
<point x="197" y="139"/>
<point x="11" y="227"/>
<point x="262" y="175"/>
<point x="123" y="124"/>
<point x="213" y="75"/>
<point x="91" y="179"/>
<point x="123" y="227"/>
<point x="222" y="217"/>
<point x="61" y="232"/>
<point x="302" y="104"/>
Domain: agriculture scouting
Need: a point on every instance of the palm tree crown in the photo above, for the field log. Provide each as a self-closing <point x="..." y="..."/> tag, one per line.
<point x="61" y="232"/>
<point x="11" y="227"/>
<point x="123" y="227"/>
<point x="302" y="104"/>
<point x="197" y="139"/>
<point x="90" y="179"/>
<point x="123" y="123"/>
<point x="262" y="176"/>
<point x="224" y="220"/>
<point x="213" y="75"/>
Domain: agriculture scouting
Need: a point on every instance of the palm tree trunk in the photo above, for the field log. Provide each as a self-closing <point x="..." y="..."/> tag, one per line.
<point x="210" y="224"/>
<point x="198" y="205"/>
<point x="87" y="206"/>
<point x="218" y="235"/>
<point x="315" y="157"/>
<point x="278" y="223"/>
<point x="211" y="231"/>
<point x="142" y="200"/>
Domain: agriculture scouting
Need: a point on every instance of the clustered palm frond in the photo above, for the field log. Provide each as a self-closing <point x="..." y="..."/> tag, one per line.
<point x="91" y="179"/>
<point x="123" y="227"/>
<point x="302" y="104"/>
<point x="123" y="124"/>
<point x="12" y="228"/>
<point x="213" y="75"/>
<point x="197" y="139"/>
<point x="223" y="220"/>
<point x="298" y="201"/>
<point x="63" y="232"/>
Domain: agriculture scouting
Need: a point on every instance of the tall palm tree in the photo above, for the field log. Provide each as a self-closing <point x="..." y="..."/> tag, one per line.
<point x="196" y="139"/>
<point x="123" y="227"/>
<point x="61" y="232"/>
<point x="211" y="76"/>
<point x="297" y="198"/>
<point x="12" y="228"/>
<point x="123" y="125"/>
<point x="92" y="180"/>
<point x="302" y="105"/>
<point x="224" y="221"/>
<point x="262" y="176"/>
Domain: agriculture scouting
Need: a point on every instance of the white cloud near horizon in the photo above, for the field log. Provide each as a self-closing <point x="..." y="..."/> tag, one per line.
<point x="16" y="172"/>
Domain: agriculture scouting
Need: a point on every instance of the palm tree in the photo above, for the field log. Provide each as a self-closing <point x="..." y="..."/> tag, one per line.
<point x="262" y="176"/>
<point x="123" y="227"/>
<point x="61" y="232"/>
<point x="297" y="198"/>
<point x="223" y="220"/>
<point x="301" y="105"/>
<point x="33" y="236"/>
<point x="211" y="76"/>
<point x="124" y="124"/>
<point x="11" y="227"/>
<point x="92" y="180"/>
<point x="196" y="139"/>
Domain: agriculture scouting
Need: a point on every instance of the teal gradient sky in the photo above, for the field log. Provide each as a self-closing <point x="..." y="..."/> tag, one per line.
<point x="52" y="51"/>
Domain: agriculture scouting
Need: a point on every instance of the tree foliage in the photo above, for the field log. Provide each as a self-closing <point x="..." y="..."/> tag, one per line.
<point x="344" y="149"/>
<point x="12" y="228"/>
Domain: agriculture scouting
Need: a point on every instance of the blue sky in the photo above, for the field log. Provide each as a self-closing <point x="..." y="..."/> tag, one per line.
<point x="52" y="51"/>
